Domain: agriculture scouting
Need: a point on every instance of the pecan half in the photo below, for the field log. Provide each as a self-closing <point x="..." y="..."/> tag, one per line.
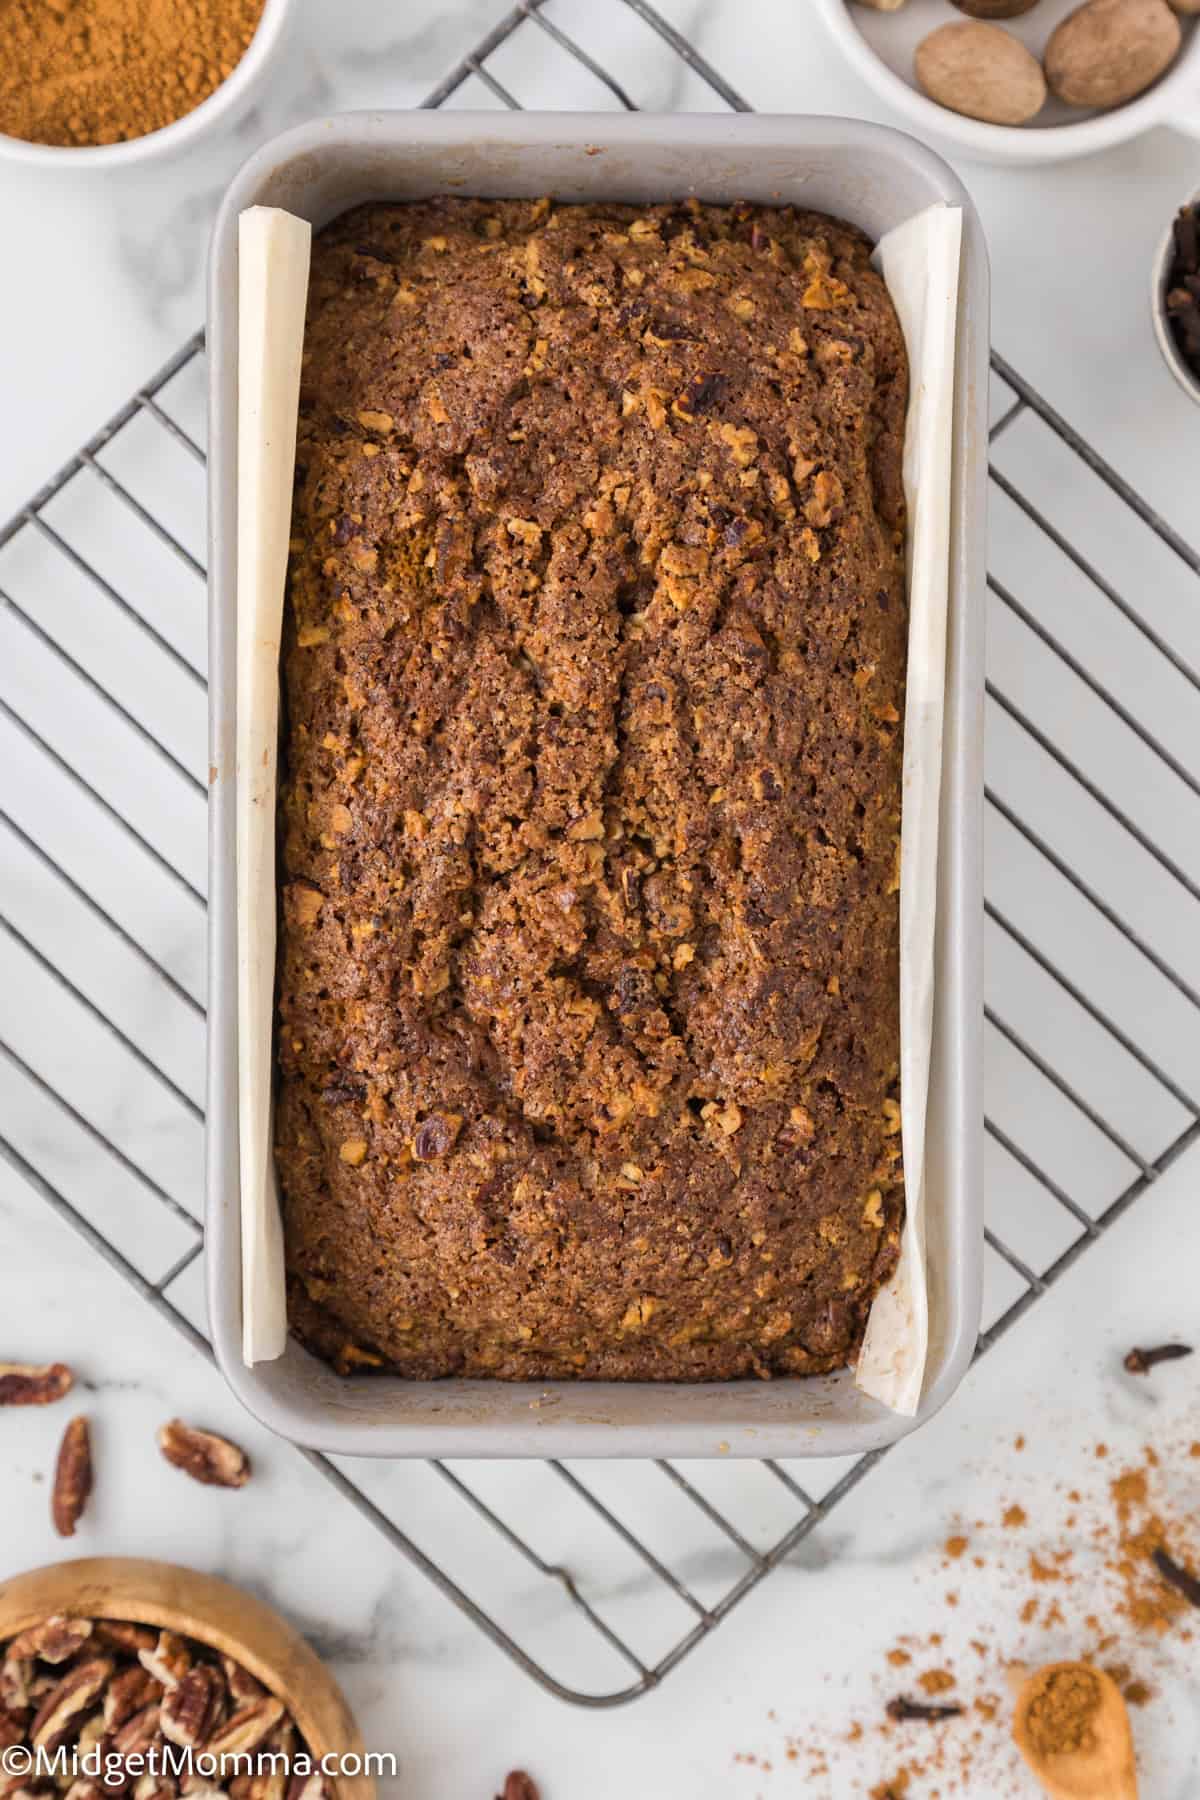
<point x="12" y="1731"/>
<point x="135" y="1738"/>
<point x="154" y="1787"/>
<point x="72" y="1478"/>
<point x="204" y="1456"/>
<point x="189" y="1711"/>
<point x="169" y="1660"/>
<point x="27" y="1384"/>
<point x="68" y="1701"/>
<point x="243" y="1686"/>
<point x="119" y="1634"/>
<point x="138" y="1732"/>
<point x="518" y="1786"/>
<point x="91" y="1733"/>
<point x="15" y="1672"/>
<point x="54" y="1640"/>
<point x="127" y="1693"/>
<point x="247" y="1730"/>
<point x="273" y="1783"/>
<point x="308" y="1787"/>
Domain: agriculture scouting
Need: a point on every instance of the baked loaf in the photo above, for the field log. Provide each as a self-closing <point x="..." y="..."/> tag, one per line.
<point x="594" y="660"/>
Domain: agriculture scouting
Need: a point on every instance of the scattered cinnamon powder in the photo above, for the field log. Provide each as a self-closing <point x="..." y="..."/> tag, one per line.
<point x="1062" y="1710"/>
<point x="101" y="71"/>
<point x="1102" y="1561"/>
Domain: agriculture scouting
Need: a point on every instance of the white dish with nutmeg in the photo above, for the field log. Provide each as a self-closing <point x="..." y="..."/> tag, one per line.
<point x="1017" y="59"/>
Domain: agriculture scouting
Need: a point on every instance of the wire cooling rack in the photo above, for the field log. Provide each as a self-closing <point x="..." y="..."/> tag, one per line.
<point x="1093" y="995"/>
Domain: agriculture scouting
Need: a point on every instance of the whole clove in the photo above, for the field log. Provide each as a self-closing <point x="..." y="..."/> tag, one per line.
<point x="1183" y="286"/>
<point x="1176" y="1576"/>
<point x="902" y="1709"/>
<point x="1140" y="1362"/>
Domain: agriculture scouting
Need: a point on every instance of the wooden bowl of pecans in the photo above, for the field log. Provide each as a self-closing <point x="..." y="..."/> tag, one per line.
<point x="156" y="1681"/>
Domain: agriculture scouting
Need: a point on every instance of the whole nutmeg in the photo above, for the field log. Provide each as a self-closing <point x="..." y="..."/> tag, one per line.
<point x="1109" y="51"/>
<point x="981" y="71"/>
<point x="995" y="9"/>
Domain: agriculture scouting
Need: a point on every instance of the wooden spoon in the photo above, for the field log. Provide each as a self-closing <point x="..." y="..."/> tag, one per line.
<point x="1102" y="1766"/>
<point x="213" y="1613"/>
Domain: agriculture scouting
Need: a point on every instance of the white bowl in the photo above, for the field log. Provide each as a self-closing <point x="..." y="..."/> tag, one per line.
<point x="1172" y="356"/>
<point x="880" y="46"/>
<point x="233" y="95"/>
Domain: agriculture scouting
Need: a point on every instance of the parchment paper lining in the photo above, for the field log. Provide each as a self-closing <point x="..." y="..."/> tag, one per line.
<point x="919" y="260"/>
<point x="273" y="256"/>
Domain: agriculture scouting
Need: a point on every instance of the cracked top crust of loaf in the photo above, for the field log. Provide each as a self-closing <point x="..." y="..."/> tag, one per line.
<point x="593" y="677"/>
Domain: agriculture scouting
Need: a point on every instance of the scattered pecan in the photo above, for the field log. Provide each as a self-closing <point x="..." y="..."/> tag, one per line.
<point x="55" y="1640"/>
<point x="203" y="1455"/>
<point x="189" y="1711"/>
<point x="72" y="1478"/>
<point x="25" y="1384"/>
<point x="12" y="1731"/>
<point x="518" y="1786"/>
<point x="68" y="1701"/>
<point x="168" y="1660"/>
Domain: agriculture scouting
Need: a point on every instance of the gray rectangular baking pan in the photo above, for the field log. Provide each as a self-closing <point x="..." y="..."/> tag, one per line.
<point x="876" y="178"/>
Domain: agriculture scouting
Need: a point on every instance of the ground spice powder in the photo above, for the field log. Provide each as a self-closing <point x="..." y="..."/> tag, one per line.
<point x="100" y="71"/>
<point x="1062" y="1710"/>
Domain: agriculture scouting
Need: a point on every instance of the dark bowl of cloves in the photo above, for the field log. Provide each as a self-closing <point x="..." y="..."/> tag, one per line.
<point x="1176" y="298"/>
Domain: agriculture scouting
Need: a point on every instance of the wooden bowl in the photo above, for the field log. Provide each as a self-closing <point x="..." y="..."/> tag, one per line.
<point x="213" y="1612"/>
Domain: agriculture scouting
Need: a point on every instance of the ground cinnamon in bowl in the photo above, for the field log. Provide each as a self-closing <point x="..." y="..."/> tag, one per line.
<point x="1062" y="1710"/>
<point x="78" y="72"/>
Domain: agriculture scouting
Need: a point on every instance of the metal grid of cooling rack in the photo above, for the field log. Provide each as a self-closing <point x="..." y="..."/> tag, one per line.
<point x="138" y="812"/>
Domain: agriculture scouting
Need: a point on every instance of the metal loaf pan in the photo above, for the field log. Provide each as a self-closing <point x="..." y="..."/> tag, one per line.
<point x="865" y="173"/>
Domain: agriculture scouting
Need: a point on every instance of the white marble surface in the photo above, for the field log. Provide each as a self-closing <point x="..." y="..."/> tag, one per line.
<point x="103" y="281"/>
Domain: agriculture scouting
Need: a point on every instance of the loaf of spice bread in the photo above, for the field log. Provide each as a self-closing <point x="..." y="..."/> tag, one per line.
<point x="593" y="671"/>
